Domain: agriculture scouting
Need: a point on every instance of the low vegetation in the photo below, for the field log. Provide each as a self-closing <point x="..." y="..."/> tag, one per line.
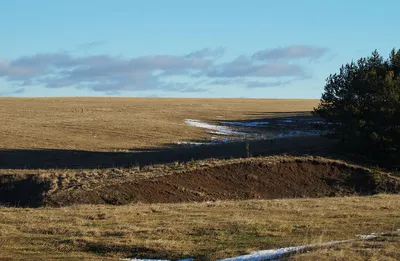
<point x="101" y="179"/>
<point x="207" y="230"/>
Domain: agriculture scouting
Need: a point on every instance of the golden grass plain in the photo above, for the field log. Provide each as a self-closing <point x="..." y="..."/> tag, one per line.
<point x="118" y="124"/>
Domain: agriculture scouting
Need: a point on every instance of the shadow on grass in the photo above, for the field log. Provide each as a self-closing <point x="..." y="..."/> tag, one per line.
<point x="122" y="250"/>
<point x="80" y="159"/>
<point x="32" y="187"/>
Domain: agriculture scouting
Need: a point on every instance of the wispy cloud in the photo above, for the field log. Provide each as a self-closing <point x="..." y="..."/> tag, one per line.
<point x="207" y="52"/>
<point x="263" y="84"/>
<point x="290" y="52"/>
<point x="244" y="66"/>
<point x="109" y="74"/>
<point x="252" y="83"/>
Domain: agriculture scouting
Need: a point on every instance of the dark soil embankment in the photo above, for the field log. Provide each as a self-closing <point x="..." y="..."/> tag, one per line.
<point x="237" y="181"/>
<point x="258" y="178"/>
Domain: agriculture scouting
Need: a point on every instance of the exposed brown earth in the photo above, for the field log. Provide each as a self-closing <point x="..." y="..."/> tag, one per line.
<point x="258" y="178"/>
<point x="238" y="181"/>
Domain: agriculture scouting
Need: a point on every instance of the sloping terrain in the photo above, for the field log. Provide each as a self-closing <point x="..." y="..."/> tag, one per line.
<point x="60" y="154"/>
<point x="237" y="181"/>
<point x="254" y="178"/>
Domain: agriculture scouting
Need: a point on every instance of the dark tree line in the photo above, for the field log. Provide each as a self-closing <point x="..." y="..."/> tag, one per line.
<point x="361" y="104"/>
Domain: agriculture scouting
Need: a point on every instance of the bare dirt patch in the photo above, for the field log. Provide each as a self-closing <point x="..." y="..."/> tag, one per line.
<point x="257" y="179"/>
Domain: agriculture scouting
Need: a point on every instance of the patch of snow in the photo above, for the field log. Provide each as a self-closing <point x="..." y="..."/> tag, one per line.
<point x="232" y="134"/>
<point x="299" y="133"/>
<point x="190" y="143"/>
<point x="141" y="259"/>
<point x="216" y="140"/>
<point x="320" y="122"/>
<point x="246" y="124"/>
<point x="224" y="140"/>
<point x="278" y="252"/>
<point x="208" y="126"/>
<point x="218" y="133"/>
<point x="287" y="121"/>
<point x="271" y="254"/>
<point x="371" y="236"/>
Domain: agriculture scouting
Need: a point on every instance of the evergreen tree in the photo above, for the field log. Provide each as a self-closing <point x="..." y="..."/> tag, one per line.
<point x="361" y="103"/>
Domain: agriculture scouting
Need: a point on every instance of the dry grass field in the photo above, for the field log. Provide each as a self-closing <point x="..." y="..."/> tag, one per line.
<point x="207" y="231"/>
<point x="109" y="163"/>
<point x="120" y="124"/>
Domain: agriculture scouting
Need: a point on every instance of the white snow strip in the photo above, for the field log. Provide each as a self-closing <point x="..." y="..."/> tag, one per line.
<point x="208" y="126"/>
<point x="371" y="236"/>
<point x="286" y="121"/>
<point x="246" y="124"/>
<point x="275" y="253"/>
<point x="216" y="140"/>
<point x="299" y="133"/>
<point x="320" y="122"/>
<point x="140" y="259"/>
<point x="271" y="253"/>
<point x="190" y="143"/>
<point x="218" y="133"/>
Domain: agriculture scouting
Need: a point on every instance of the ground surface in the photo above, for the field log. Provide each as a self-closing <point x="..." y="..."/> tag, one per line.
<point x="63" y="151"/>
<point x="205" y="230"/>
<point x="273" y="177"/>
<point x="121" y="124"/>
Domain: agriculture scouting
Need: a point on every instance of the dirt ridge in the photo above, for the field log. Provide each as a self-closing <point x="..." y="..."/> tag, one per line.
<point x="238" y="181"/>
<point x="261" y="178"/>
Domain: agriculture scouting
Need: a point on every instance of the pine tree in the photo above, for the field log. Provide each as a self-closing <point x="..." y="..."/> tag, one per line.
<point x="361" y="103"/>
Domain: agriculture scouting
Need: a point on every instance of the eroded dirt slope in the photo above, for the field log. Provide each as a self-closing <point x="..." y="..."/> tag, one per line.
<point x="242" y="180"/>
<point x="254" y="178"/>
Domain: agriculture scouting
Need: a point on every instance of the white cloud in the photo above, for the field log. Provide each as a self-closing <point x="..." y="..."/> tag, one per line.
<point x="105" y="73"/>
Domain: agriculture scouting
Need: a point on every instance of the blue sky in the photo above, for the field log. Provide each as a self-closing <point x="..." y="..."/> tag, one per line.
<point x="258" y="49"/>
